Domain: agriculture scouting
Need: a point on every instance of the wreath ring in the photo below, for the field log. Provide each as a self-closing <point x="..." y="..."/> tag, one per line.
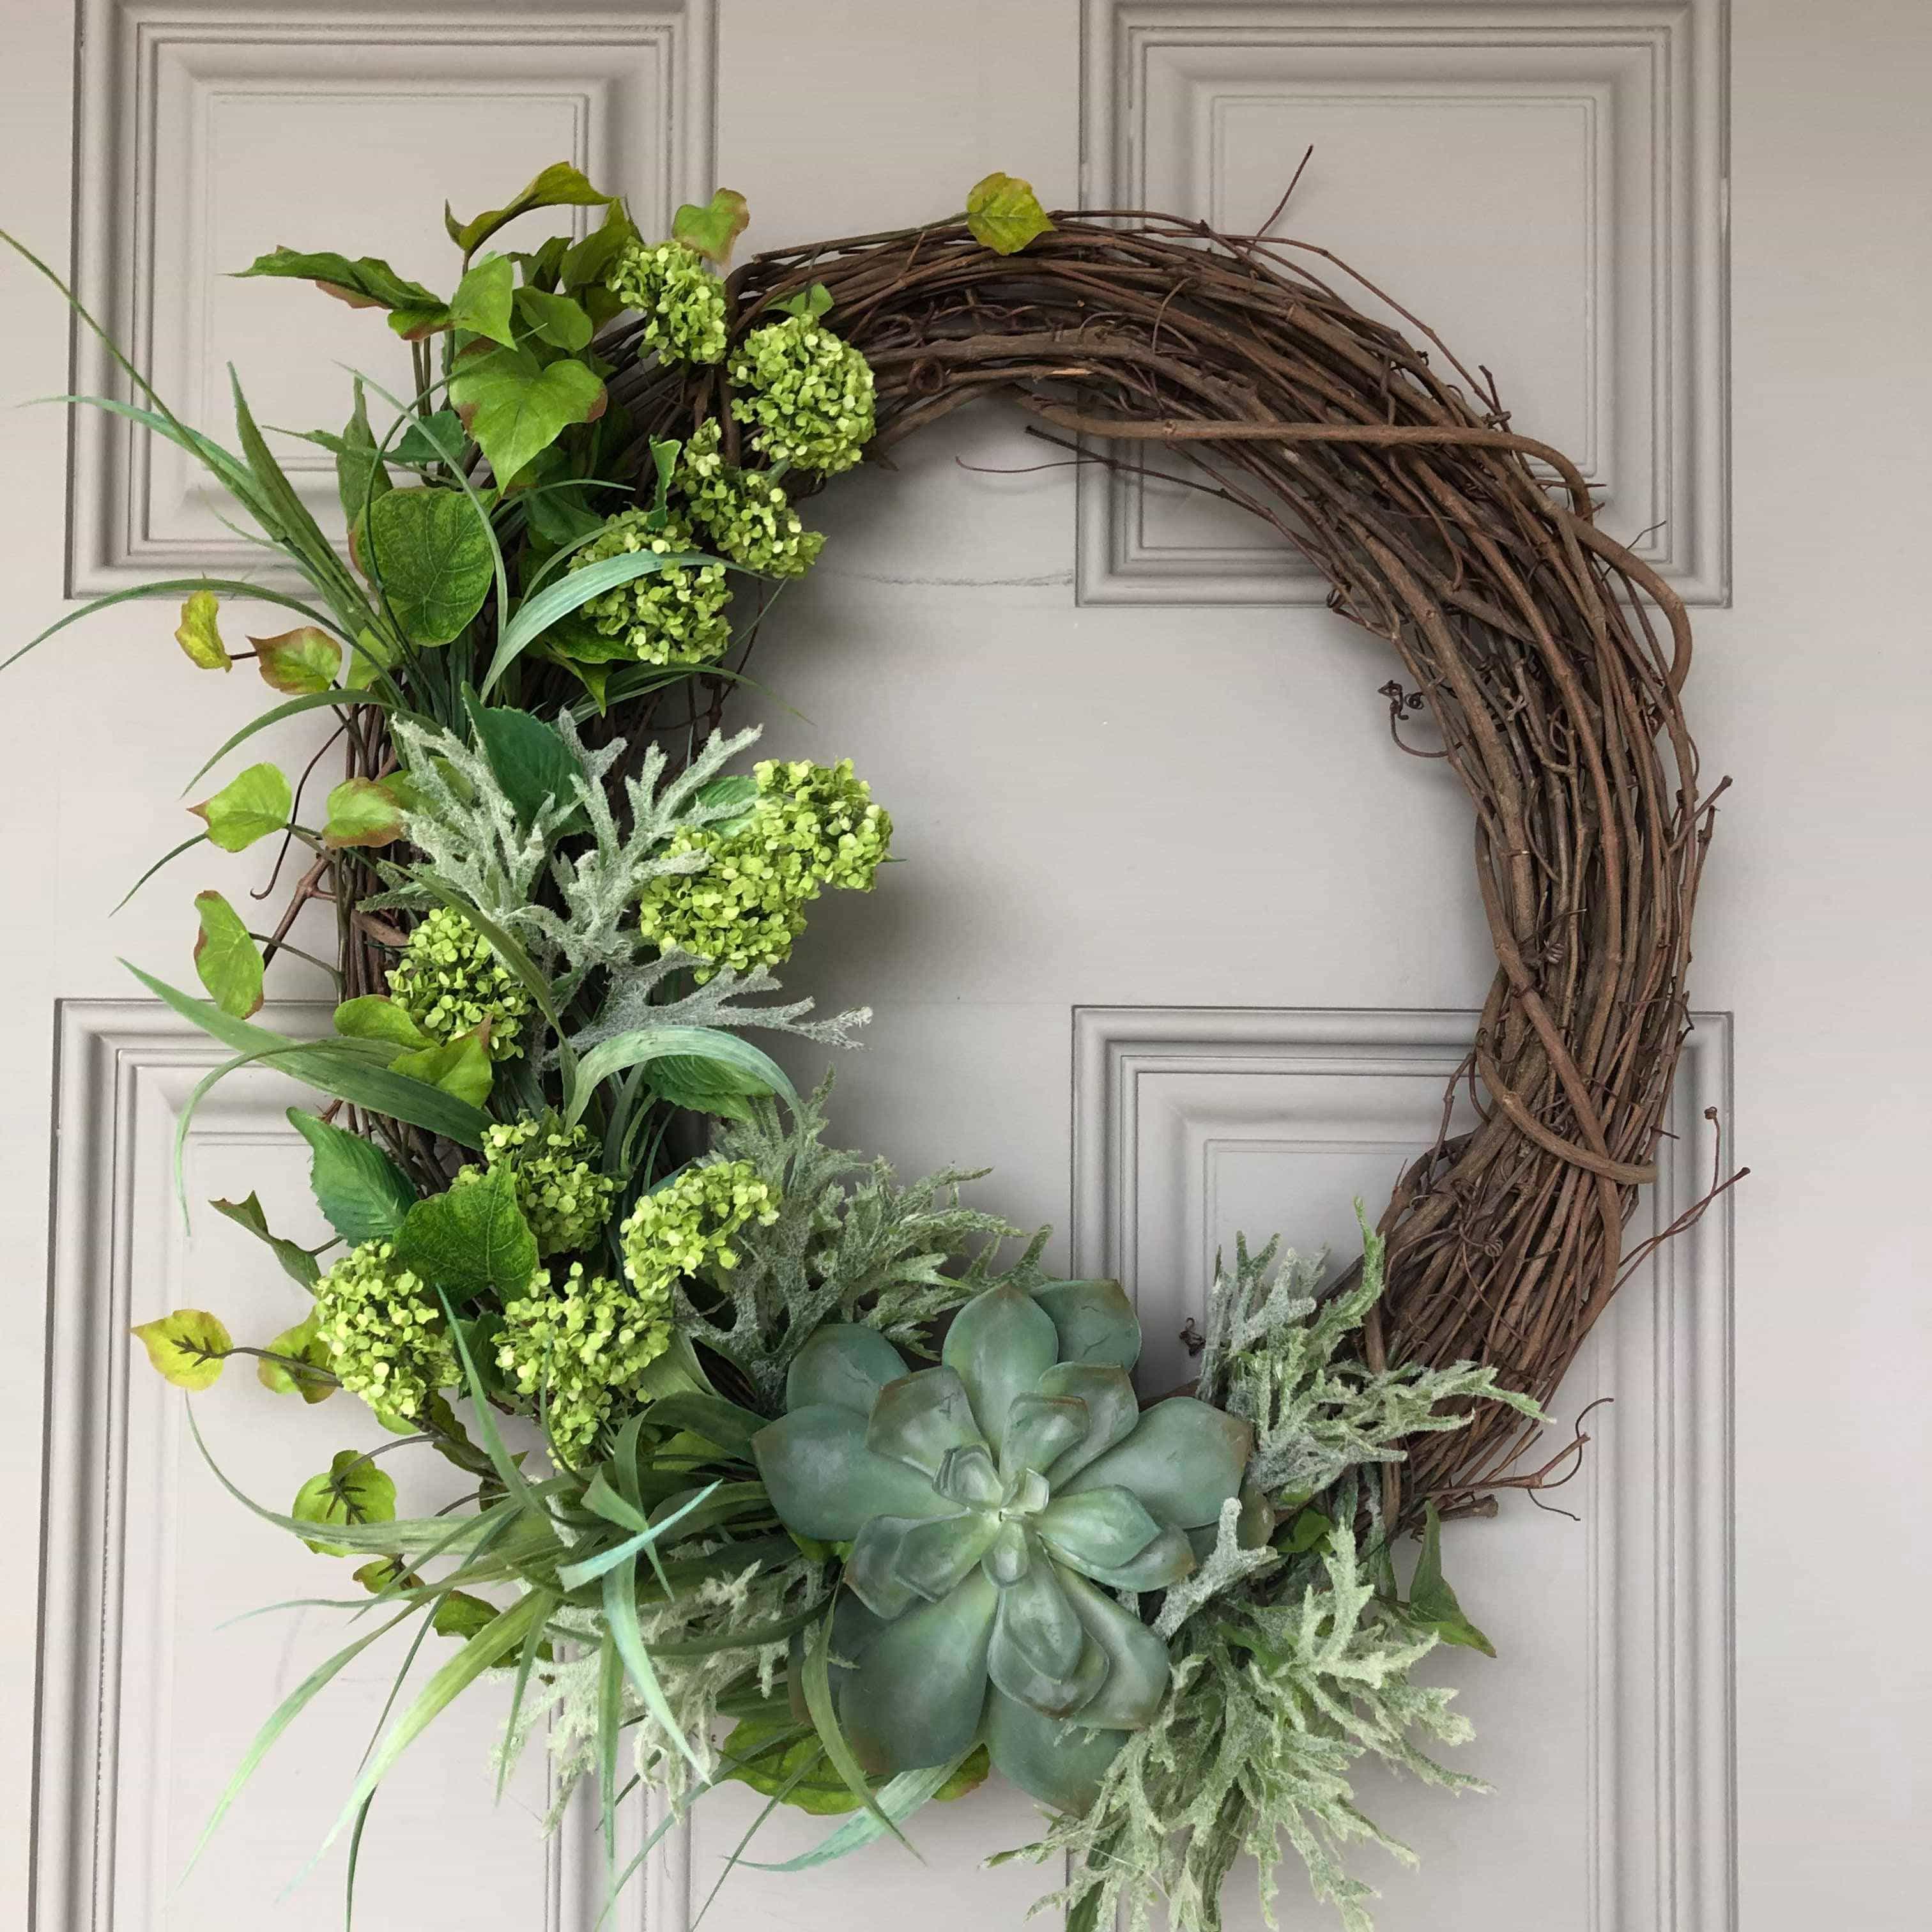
<point x="1527" y="632"/>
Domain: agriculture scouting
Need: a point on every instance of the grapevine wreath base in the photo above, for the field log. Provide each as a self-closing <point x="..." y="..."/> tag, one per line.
<point x="815" y="1486"/>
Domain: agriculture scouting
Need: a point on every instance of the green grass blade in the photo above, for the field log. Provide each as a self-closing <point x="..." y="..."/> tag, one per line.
<point x="166" y="859"/>
<point x="229" y="468"/>
<point x="330" y="1065"/>
<point x="648" y="1043"/>
<point x="817" y="1680"/>
<point x="575" y="1575"/>
<point x="310" y="700"/>
<point x="900" y="1798"/>
<point x="571" y="592"/>
<point x="620" y="1613"/>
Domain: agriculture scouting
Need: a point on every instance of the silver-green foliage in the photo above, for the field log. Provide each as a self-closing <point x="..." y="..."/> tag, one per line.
<point x="849" y="1244"/>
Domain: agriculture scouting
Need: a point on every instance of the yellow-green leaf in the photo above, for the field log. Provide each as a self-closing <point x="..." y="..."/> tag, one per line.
<point x="711" y="230"/>
<point x="250" y="806"/>
<point x="197" y="633"/>
<point x="461" y="1066"/>
<point x="560" y="185"/>
<point x="354" y="1490"/>
<point x="226" y="957"/>
<point x="298" y="661"/>
<point x="481" y="302"/>
<point x="300" y="1344"/>
<point x="187" y="1347"/>
<point x="363" y="811"/>
<point x="376" y="1016"/>
<point x="367" y="661"/>
<point x="1004" y="214"/>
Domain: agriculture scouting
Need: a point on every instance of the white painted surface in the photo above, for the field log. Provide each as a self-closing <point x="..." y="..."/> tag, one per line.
<point x="1116" y="807"/>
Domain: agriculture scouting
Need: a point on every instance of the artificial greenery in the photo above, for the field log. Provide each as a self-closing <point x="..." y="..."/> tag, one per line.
<point x="573" y="1206"/>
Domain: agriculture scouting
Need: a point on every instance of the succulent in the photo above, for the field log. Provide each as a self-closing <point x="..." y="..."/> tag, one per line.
<point x="991" y="1504"/>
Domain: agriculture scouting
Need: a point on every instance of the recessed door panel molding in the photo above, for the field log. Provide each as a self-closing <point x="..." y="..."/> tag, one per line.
<point x="210" y="132"/>
<point x="149" y="1690"/>
<point x="1546" y="182"/>
<point x="1191" y="1123"/>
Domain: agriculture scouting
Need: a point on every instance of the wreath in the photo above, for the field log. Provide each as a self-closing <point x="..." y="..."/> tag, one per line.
<point x="782" y="1472"/>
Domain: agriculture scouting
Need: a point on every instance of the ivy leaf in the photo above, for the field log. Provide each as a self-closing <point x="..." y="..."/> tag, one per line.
<point x="296" y="1259"/>
<point x="424" y="442"/>
<point x="481" y="302"/>
<point x="461" y="1066"/>
<point x="365" y="282"/>
<point x="362" y="1193"/>
<point x="250" y="806"/>
<point x="471" y="1240"/>
<point x="376" y="1016"/>
<point x="360" y="477"/>
<point x="516" y="406"/>
<point x="584" y="263"/>
<point x="808" y="304"/>
<point x="1431" y="1604"/>
<point x="354" y="1490"/>
<point x="364" y="811"/>
<point x="705" y="1086"/>
<point x="197" y="635"/>
<point x="429" y="550"/>
<point x="299" y="662"/>
<point x="1004" y="214"/>
<point x="226" y="958"/>
<point x="712" y="229"/>
<point x="301" y="1344"/>
<point x="560" y="185"/>
<point x="555" y="319"/>
<point x="187" y="1347"/>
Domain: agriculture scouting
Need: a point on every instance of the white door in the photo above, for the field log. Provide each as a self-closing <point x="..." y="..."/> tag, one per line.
<point x="1183" y="944"/>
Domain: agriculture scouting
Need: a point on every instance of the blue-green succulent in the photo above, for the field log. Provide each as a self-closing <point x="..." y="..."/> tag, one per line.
<point x="991" y="1504"/>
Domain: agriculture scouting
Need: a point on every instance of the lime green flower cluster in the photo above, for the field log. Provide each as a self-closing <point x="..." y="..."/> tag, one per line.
<point x="806" y="393"/>
<point x="672" y="616"/>
<point x="687" y="1223"/>
<point x="580" y="1342"/>
<point x="450" y="980"/>
<point x="810" y="826"/>
<point x="565" y="1200"/>
<point x="747" y="517"/>
<point x="384" y="1330"/>
<point x="681" y="300"/>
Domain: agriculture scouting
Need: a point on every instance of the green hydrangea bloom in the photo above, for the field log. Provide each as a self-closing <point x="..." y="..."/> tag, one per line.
<point x="687" y="1223"/>
<point x="384" y="1330"/>
<point x="806" y="393"/>
<point x="580" y="1342"/>
<point x="747" y="517"/>
<point x="565" y="1199"/>
<point x="811" y="826"/>
<point x="450" y="980"/>
<point x="672" y="616"/>
<point x="681" y="301"/>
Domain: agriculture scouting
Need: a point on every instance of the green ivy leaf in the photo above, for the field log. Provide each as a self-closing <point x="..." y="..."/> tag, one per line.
<point x="363" y="811"/>
<point x="354" y="1490"/>
<point x="516" y="406"/>
<point x="809" y="304"/>
<point x="560" y="185"/>
<point x="482" y="300"/>
<point x="1004" y="214"/>
<point x="197" y="633"/>
<point x="359" y="475"/>
<point x="1431" y="1604"/>
<point x="376" y="1016"/>
<point x="363" y="1194"/>
<point x="705" y="1086"/>
<point x="472" y="1240"/>
<point x="365" y="282"/>
<point x="301" y="1344"/>
<point x="712" y="229"/>
<point x="250" y="806"/>
<point x="187" y="1347"/>
<point x="226" y="958"/>
<point x="298" y="661"/>
<point x="555" y="319"/>
<point x="425" y="441"/>
<point x="429" y="550"/>
<point x="461" y="1066"/>
<point x="296" y="1259"/>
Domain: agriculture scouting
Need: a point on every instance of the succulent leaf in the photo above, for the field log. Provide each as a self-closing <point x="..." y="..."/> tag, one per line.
<point x="1168" y="1559"/>
<point x="1183" y="1460"/>
<point x="1137" y="1663"/>
<point x="1000" y="1345"/>
<point x="824" y="1482"/>
<point x="844" y="1364"/>
<point x="1038" y="1641"/>
<point x="967" y="1477"/>
<point x="935" y="1557"/>
<point x="1095" y="1322"/>
<point x="1060" y="1764"/>
<point x="920" y="1417"/>
<point x="1098" y="1528"/>
<point x="1112" y="1410"/>
<point x="871" y="1570"/>
<point x="917" y="1694"/>
<point x="1039" y="1430"/>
